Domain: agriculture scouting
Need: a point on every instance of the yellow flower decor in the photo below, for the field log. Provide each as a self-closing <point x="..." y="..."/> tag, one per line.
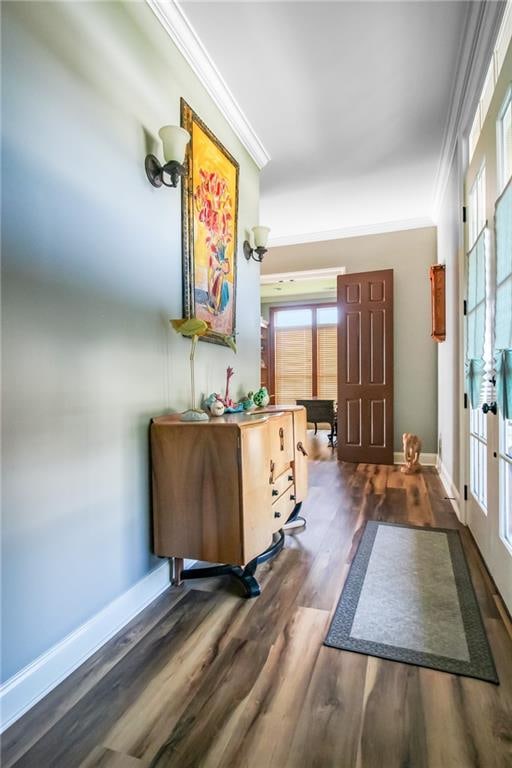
<point x="193" y="328"/>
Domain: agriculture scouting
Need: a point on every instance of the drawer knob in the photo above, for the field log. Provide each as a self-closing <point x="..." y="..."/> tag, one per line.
<point x="292" y="497"/>
<point x="277" y="514"/>
<point x="275" y="492"/>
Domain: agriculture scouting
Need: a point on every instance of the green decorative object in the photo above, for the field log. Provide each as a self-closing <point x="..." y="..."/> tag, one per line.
<point x="261" y="398"/>
<point x="248" y="402"/>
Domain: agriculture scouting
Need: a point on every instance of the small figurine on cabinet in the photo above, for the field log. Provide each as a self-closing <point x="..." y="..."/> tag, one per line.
<point x="229" y="404"/>
<point x="412" y="450"/>
<point x="248" y="402"/>
<point x="213" y="403"/>
<point x="261" y="398"/>
<point x="217" y="407"/>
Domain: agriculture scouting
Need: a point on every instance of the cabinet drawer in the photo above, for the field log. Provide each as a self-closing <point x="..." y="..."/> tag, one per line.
<point x="300" y="467"/>
<point x="281" y="484"/>
<point x="281" y="442"/>
<point x="282" y="509"/>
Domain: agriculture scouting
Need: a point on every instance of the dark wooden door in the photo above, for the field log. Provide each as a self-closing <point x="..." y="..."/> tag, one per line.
<point x="365" y="367"/>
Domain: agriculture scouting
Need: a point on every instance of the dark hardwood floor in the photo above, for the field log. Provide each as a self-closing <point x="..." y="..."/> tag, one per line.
<point x="205" y="678"/>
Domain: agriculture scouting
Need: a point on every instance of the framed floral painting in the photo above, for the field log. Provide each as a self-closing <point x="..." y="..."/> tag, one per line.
<point x="210" y="216"/>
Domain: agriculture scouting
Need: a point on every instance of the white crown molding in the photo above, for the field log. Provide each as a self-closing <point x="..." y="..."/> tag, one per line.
<point x="173" y="19"/>
<point x="28" y="686"/>
<point x="304" y="274"/>
<point x="359" y="231"/>
<point x="477" y="42"/>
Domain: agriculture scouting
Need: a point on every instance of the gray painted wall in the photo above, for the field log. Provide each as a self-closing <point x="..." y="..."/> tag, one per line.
<point x="91" y="275"/>
<point x="409" y="253"/>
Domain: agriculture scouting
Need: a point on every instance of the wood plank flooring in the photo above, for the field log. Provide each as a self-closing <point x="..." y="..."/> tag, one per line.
<point x="205" y="678"/>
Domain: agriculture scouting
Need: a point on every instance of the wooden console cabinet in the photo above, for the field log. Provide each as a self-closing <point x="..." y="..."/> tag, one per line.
<point x="223" y="488"/>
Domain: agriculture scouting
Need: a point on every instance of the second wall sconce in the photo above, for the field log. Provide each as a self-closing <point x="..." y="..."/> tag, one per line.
<point x="174" y="140"/>
<point x="260" y="243"/>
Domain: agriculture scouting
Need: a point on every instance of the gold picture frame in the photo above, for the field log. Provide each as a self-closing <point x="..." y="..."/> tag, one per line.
<point x="210" y="229"/>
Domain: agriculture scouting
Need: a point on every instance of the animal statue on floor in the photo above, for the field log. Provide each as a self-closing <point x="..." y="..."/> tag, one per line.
<point x="412" y="450"/>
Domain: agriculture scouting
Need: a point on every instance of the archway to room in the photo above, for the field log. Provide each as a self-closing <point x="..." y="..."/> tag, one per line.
<point x="299" y="348"/>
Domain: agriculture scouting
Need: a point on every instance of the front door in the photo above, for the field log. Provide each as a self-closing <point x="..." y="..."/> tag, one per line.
<point x="365" y="367"/>
<point x="488" y="432"/>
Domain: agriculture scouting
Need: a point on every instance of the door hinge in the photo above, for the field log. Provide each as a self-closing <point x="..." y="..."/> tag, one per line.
<point x="463" y="214"/>
<point x="465" y="493"/>
<point x="465" y="399"/>
<point x="465" y="307"/>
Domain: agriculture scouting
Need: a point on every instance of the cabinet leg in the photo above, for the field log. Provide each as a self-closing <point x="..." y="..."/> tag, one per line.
<point x="295" y="520"/>
<point x="246" y="576"/>
<point x="177" y="568"/>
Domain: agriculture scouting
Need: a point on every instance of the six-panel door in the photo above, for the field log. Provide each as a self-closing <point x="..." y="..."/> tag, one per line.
<point x="365" y="367"/>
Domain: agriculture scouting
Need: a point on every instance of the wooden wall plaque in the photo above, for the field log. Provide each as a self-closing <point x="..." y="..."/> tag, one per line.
<point x="438" y="301"/>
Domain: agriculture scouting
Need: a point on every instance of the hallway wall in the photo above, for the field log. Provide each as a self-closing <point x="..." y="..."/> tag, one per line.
<point x="91" y="275"/>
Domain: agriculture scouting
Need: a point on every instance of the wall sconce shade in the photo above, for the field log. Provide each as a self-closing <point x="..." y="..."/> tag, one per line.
<point x="260" y="236"/>
<point x="260" y="243"/>
<point x="174" y="140"/>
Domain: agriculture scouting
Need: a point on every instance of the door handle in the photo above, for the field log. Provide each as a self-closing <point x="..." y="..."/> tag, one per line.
<point x="281" y="438"/>
<point x="490" y="407"/>
<point x="301" y="448"/>
<point x="272" y="469"/>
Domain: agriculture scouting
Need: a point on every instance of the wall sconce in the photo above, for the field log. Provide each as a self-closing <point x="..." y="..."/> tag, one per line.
<point x="174" y="140"/>
<point x="260" y="243"/>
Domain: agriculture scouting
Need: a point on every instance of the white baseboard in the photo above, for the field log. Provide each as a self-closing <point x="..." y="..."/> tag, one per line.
<point x="449" y="486"/>
<point x="427" y="459"/>
<point x="33" y="682"/>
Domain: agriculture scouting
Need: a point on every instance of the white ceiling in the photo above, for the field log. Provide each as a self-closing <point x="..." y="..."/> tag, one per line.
<point x="351" y="99"/>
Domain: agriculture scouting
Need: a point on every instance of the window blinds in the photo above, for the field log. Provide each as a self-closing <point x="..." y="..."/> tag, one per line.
<point x="503" y="317"/>
<point x="293" y="364"/>
<point x="476" y="319"/>
<point x="327" y="364"/>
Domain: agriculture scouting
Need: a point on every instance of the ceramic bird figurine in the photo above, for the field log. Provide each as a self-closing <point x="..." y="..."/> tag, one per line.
<point x="217" y="408"/>
<point x="261" y="398"/>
